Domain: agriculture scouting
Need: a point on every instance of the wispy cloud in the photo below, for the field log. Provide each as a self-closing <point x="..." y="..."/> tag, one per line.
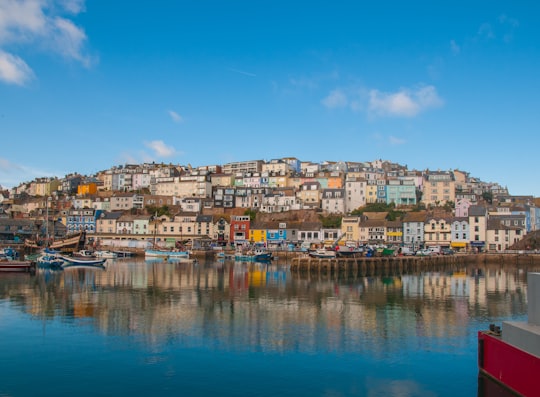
<point x="175" y="117"/>
<point x="160" y="148"/>
<point x="336" y="99"/>
<point x="509" y="25"/>
<point x="454" y="47"/>
<point x="13" y="70"/>
<point x="404" y="103"/>
<point x="12" y="174"/>
<point x="485" y="31"/>
<point x="40" y="24"/>
<point x="243" y="72"/>
<point x="503" y="29"/>
<point x="396" y="141"/>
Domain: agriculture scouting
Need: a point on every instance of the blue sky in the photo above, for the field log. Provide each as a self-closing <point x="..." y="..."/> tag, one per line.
<point x="88" y="85"/>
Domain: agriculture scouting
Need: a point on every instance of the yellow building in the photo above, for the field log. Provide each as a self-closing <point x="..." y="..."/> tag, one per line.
<point x="257" y="234"/>
<point x="87" y="188"/>
<point x="350" y="228"/>
<point x="45" y="186"/>
<point x="371" y="192"/>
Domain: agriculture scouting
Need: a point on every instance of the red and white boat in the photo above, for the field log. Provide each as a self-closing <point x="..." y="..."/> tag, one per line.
<point x="511" y="355"/>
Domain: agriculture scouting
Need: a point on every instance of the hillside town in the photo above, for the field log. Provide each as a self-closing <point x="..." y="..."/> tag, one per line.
<point x="283" y="203"/>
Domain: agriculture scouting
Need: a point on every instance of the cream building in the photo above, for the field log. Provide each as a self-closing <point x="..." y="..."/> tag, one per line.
<point x="439" y="188"/>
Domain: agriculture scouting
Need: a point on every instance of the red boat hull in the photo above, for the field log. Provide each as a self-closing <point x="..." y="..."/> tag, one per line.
<point x="512" y="367"/>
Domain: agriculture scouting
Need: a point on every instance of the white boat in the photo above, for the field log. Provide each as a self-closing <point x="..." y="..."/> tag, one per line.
<point x="72" y="261"/>
<point x="322" y="253"/>
<point x="84" y="254"/>
<point x="157" y="253"/>
<point x="106" y="254"/>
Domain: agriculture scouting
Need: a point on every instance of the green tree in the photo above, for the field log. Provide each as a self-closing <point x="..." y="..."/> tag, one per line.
<point x="488" y="197"/>
<point x="331" y="221"/>
<point x="252" y="214"/>
<point x="157" y="211"/>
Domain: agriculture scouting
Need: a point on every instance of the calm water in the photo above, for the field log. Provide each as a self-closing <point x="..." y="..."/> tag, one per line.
<point x="230" y="329"/>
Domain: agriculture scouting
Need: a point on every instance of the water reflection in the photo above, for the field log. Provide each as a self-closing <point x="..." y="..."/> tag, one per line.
<point x="174" y="326"/>
<point x="265" y="307"/>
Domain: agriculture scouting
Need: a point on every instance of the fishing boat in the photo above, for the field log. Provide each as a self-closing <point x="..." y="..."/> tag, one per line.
<point x="85" y="254"/>
<point x="50" y="259"/>
<point x="16" y="266"/>
<point x="158" y="253"/>
<point x="349" y="252"/>
<point x="105" y="254"/>
<point x="322" y="253"/>
<point x="255" y="255"/>
<point x="511" y="355"/>
<point x="9" y="263"/>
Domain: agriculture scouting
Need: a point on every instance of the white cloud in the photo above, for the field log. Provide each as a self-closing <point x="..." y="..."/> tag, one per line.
<point x="39" y="23"/>
<point x="73" y="6"/>
<point x="404" y="103"/>
<point x="175" y="116"/>
<point x="160" y="149"/>
<point x="336" y="99"/>
<point x="13" y="70"/>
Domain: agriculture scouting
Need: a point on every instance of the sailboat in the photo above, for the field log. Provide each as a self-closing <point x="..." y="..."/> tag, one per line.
<point x="71" y="243"/>
<point x="156" y="252"/>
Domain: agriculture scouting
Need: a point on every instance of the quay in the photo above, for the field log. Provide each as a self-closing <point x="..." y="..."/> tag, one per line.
<point x="363" y="266"/>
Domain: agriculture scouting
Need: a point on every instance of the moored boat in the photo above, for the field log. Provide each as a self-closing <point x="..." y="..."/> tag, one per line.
<point x="72" y="261"/>
<point x="105" y="254"/>
<point x="511" y="355"/>
<point x="50" y="259"/>
<point x="349" y="252"/>
<point x="256" y="255"/>
<point x="84" y="254"/>
<point x="9" y="262"/>
<point x="322" y="253"/>
<point x="157" y="253"/>
<point x="7" y="265"/>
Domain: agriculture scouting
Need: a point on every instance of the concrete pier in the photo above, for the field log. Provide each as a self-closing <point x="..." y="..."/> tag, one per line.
<point x="372" y="266"/>
<point x="526" y="335"/>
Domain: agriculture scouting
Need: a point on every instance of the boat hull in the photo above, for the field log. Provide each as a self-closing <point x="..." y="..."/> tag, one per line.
<point x="253" y="258"/>
<point x="516" y="369"/>
<point x="70" y="261"/>
<point x="165" y="254"/>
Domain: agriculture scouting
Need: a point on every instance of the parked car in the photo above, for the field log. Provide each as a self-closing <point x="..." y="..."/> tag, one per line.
<point x="424" y="252"/>
<point x="447" y="251"/>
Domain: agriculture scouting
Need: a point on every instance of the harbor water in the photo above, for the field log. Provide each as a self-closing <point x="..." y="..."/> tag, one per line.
<point x="138" y="328"/>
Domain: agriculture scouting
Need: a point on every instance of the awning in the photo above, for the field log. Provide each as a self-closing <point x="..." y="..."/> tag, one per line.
<point x="458" y="245"/>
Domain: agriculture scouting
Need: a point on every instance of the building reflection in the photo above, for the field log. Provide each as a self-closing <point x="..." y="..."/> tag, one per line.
<point x="264" y="307"/>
